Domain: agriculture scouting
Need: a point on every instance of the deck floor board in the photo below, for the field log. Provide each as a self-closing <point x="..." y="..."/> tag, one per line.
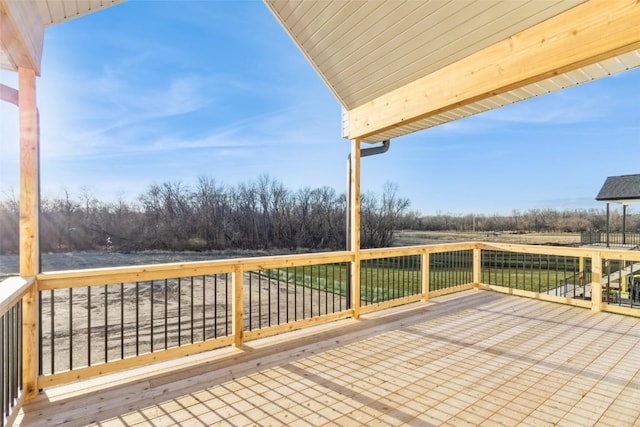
<point x="473" y="358"/>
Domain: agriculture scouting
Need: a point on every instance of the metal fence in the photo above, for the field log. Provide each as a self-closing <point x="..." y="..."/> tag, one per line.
<point x="84" y="326"/>
<point x="282" y="295"/>
<point x="539" y="273"/>
<point x="613" y="238"/>
<point x="389" y="278"/>
<point x="450" y="269"/>
<point x="621" y="282"/>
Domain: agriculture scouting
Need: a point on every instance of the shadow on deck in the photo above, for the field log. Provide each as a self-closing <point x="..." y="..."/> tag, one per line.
<point x="472" y="358"/>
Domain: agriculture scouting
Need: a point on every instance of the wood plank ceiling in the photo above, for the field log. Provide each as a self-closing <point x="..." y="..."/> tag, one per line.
<point x="365" y="51"/>
<point x="22" y="25"/>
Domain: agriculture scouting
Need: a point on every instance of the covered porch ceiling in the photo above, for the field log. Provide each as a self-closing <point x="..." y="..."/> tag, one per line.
<point x="399" y="67"/>
<point x="23" y="24"/>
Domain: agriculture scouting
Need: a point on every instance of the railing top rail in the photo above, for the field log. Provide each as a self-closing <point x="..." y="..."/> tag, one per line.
<point x="12" y="290"/>
<point x="416" y="249"/>
<point x="563" y="250"/>
<point x="101" y="276"/>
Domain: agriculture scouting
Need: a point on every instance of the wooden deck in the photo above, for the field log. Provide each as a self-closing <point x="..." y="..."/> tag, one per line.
<point x="473" y="358"/>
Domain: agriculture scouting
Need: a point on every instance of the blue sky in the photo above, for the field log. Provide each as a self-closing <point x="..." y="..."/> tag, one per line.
<point x="148" y="92"/>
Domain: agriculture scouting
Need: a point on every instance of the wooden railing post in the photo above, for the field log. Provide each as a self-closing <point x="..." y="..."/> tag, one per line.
<point x="596" y="282"/>
<point x="29" y="241"/>
<point x="237" y="279"/>
<point x="581" y="271"/>
<point x="425" y="275"/>
<point x="477" y="267"/>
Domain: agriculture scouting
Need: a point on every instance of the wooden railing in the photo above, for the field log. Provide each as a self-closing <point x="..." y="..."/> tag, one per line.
<point x="538" y="272"/>
<point x="12" y="291"/>
<point x="613" y="239"/>
<point x="91" y="322"/>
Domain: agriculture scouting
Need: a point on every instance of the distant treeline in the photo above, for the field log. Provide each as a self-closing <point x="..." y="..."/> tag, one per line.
<point x="261" y="214"/>
<point x="529" y="221"/>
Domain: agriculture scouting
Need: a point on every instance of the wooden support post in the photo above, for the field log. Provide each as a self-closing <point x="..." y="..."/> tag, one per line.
<point x="425" y="276"/>
<point x="596" y="282"/>
<point x="581" y="271"/>
<point x="477" y="267"/>
<point x="238" y="304"/>
<point x="354" y="219"/>
<point x="29" y="241"/>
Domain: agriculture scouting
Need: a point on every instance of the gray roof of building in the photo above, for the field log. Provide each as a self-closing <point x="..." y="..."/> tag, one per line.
<point x="620" y="188"/>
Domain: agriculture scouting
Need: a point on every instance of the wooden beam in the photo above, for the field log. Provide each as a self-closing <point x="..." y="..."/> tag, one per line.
<point x="9" y="94"/>
<point x="29" y="173"/>
<point x="586" y="34"/>
<point x="29" y="201"/>
<point x="21" y="34"/>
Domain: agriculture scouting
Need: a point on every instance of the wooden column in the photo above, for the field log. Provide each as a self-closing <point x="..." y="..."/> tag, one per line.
<point x="596" y="282"/>
<point x="238" y="303"/>
<point x="354" y="229"/>
<point x="29" y="241"/>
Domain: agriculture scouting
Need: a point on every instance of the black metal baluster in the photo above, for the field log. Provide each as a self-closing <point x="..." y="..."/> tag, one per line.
<point x="70" y="328"/>
<point x="88" y="325"/>
<point x="226" y="304"/>
<point x="166" y="314"/>
<point x="286" y="297"/>
<point x="137" y="318"/>
<point x="121" y="320"/>
<point x="267" y="278"/>
<point x="179" y="311"/>
<point x="40" y="337"/>
<point x="278" y="293"/>
<point x="215" y="305"/>
<point x="10" y="358"/>
<point x="13" y="346"/>
<point x="3" y="366"/>
<point x="192" y="309"/>
<point x="303" y="293"/>
<point x="106" y="323"/>
<point x="204" y="311"/>
<point x="326" y="289"/>
<point x="52" y="352"/>
<point x="151" y="313"/>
